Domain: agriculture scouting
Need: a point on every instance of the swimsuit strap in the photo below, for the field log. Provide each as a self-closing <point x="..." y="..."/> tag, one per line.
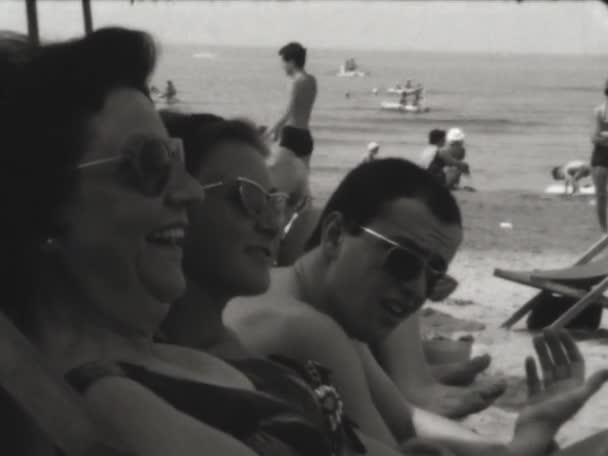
<point x="341" y="427"/>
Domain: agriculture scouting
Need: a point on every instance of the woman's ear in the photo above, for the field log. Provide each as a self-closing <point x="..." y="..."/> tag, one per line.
<point x="332" y="234"/>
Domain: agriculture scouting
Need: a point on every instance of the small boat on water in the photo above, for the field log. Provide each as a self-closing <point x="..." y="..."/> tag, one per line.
<point x="407" y="108"/>
<point x="351" y="74"/>
<point x="350" y="69"/>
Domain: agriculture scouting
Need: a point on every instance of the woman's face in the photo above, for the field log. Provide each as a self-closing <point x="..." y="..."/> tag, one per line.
<point x="123" y="246"/>
<point x="229" y="252"/>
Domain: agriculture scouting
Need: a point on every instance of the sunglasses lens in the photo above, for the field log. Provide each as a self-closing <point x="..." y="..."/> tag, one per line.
<point x="443" y="286"/>
<point x="153" y="162"/>
<point x="252" y="198"/>
<point x="403" y="265"/>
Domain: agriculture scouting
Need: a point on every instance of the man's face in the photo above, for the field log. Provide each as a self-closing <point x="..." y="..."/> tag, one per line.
<point x="288" y="66"/>
<point x="370" y="296"/>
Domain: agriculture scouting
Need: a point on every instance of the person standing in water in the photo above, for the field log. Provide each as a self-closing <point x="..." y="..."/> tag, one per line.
<point x="170" y="93"/>
<point x="599" y="158"/>
<point x="290" y="166"/>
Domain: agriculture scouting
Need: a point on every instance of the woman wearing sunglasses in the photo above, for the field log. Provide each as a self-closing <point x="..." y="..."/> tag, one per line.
<point x="95" y="197"/>
<point x="229" y="249"/>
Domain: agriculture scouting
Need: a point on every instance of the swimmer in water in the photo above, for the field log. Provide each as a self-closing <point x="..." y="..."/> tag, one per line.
<point x="373" y="149"/>
<point x="170" y="93"/>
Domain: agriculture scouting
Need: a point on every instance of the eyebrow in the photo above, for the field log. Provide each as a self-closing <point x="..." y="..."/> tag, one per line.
<point x="408" y="243"/>
<point x="435" y="259"/>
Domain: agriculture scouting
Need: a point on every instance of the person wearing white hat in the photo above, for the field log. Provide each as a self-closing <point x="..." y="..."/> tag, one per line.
<point x="455" y="148"/>
<point x="442" y="159"/>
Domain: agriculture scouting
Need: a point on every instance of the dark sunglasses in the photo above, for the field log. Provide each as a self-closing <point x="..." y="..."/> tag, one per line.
<point x="253" y="198"/>
<point x="149" y="162"/>
<point x="404" y="264"/>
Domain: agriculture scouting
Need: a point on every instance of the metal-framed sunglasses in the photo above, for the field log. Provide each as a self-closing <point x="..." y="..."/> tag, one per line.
<point x="405" y="264"/>
<point x="149" y="162"/>
<point x="253" y="198"/>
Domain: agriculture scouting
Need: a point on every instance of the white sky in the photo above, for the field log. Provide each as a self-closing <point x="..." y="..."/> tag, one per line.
<point x="565" y="27"/>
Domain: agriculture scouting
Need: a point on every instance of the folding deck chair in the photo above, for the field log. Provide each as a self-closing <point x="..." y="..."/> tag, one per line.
<point x="586" y="281"/>
<point x="47" y="400"/>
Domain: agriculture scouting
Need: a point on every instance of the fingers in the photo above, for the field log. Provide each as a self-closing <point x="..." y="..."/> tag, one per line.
<point x="561" y="364"/>
<point x="480" y="363"/>
<point x="595" y="382"/>
<point x="544" y="358"/>
<point x="492" y="392"/>
<point x="577" y="361"/>
<point x="532" y="380"/>
<point x="472" y="403"/>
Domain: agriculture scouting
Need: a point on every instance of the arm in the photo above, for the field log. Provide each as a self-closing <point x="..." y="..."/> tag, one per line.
<point x="152" y="427"/>
<point x="598" y="138"/>
<point x="401" y="417"/>
<point x="272" y="132"/>
<point x="323" y="340"/>
<point x="436" y="430"/>
<point x="448" y="160"/>
<point x="304" y="335"/>
<point x="402" y="357"/>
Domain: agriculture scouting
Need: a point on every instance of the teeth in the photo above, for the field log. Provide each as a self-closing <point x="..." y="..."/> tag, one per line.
<point x="169" y="235"/>
<point x="395" y="308"/>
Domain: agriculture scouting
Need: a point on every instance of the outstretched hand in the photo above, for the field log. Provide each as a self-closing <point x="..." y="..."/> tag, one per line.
<point x="563" y="390"/>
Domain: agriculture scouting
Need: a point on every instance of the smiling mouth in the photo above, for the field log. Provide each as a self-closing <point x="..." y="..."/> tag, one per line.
<point x="395" y="308"/>
<point x="172" y="236"/>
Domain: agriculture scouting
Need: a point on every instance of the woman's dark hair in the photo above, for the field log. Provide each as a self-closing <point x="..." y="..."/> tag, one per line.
<point x="47" y="97"/>
<point x="201" y="132"/>
<point x="370" y="186"/>
<point x="295" y="53"/>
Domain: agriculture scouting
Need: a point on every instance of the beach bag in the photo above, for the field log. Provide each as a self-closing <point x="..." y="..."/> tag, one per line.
<point x="551" y="307"/>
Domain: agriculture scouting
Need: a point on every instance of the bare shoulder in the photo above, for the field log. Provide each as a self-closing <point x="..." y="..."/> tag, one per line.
<point x="305" y="80"/>
<point x="284" y="326"/>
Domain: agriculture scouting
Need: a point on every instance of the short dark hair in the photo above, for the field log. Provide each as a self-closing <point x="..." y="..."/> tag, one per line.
<point x="295" y="53"/>
<point x="367" y="188"/>
<point x="437" y="136"/>
<point x="47" y="98"/>
<point x="201" y="132"/>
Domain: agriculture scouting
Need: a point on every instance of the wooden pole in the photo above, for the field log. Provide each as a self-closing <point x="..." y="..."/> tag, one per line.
<point x="88" y="17"/>
<point x="32" y="21"/>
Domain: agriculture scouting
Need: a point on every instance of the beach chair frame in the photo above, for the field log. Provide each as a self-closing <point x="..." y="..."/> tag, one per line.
<point x="48" y="400"/>
<point x="547" y="287"/>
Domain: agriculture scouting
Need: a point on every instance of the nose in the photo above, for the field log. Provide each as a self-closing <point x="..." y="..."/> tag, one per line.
<point x="183" y="189"/>
<point x="416" y="288"/>
<point x="270" y="222"/>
